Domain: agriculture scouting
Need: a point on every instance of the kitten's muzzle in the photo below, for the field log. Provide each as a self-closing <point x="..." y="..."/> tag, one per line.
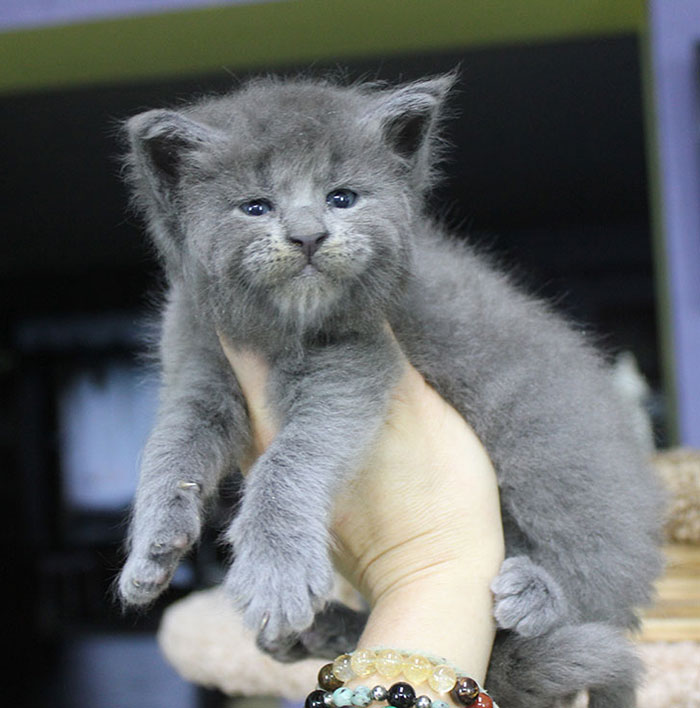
<point x="310" y="243"/>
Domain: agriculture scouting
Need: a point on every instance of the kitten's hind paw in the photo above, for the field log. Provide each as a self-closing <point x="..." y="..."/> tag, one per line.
<point x="527" y="599"/>
<point x="335" y="629"/>
<point x="286" y="649"/>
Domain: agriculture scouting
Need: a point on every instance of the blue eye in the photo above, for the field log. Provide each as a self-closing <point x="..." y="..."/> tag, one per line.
<point x="256" y="207"/>
<point x="341" y="198"/>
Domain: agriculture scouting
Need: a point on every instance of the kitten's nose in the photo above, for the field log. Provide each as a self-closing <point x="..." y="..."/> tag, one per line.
<point x="310" y="243"/>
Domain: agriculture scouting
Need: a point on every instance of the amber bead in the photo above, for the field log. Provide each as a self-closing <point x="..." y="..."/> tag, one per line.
<point x="416" y="668"/>
<point x="388" y="663"/>
<point x="327" y="680"/>
<point x="342" y="668"/>
<point x="483" y="700"/>
<point x="465" y="691"/>
<point x="362" y="662"/>
<point x="401" y="695"/>
<point x="442" y="678"/>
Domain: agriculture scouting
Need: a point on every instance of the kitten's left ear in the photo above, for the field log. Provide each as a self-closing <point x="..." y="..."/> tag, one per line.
<point x="160" y="142"/>
<point x="407" y="115"/>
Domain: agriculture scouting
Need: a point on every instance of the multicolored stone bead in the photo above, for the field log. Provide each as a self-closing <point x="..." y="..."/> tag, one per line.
<point x="342" y="668"/>
<point x="401" y="695"/>
<point x="361" y="697"/>
<point x="327" y="679"/>
<point x="442" y="678"/>
<point x="465" y="691"/>
<point x="342" y="697"/>
<point x="315" y="699"/>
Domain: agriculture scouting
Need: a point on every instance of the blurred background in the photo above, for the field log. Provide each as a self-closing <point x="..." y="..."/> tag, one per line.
<point x="575" y="160"/>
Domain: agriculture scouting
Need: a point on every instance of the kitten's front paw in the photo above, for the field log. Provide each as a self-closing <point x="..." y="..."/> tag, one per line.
<point x="279" y="590"/>
<point x="160" y="538"/>
<point x="526" y="598"/>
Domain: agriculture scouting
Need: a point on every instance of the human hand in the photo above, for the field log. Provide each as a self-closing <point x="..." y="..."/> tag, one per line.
<point x="418" y="531"/>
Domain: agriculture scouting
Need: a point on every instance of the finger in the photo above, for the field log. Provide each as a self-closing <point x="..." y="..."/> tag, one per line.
<point x="251" y="371"/>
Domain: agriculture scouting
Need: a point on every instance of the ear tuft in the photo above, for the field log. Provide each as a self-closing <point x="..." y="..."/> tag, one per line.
<point x="407" y="114"/>
<point x="160" y="141"/>
<point x="156" y="137"/>
<point x="162" y="145"/>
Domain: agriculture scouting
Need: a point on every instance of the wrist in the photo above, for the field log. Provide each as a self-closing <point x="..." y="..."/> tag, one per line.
<point x="401" y="679"/>
<point x="447" y="613"/>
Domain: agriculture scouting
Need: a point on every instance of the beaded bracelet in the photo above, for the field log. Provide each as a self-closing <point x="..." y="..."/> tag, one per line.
<point x="389" y="663"/>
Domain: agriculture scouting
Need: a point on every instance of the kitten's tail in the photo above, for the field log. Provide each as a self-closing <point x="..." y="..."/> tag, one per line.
<point x="536" y="671"/>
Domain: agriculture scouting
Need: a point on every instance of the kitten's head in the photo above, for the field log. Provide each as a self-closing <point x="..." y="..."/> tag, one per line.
<point x="294" y="197"/>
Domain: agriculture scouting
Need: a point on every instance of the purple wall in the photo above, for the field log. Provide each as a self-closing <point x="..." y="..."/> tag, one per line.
<point x="18" y="14"/>
<point x="675" y="34"/>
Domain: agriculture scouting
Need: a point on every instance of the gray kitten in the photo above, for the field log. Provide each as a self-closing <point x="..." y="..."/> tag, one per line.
<point x="289" y="217"/>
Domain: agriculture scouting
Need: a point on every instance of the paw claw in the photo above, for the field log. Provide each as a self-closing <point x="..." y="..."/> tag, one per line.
<point x="273" y="593"/>
<point x="191" y="486"/>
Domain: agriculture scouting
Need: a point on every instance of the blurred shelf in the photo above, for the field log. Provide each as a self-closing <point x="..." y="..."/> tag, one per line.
<point x="675" y="616"/>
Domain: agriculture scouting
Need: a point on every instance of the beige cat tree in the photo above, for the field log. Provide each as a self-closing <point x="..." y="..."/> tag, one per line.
<point x="203" y="637"/>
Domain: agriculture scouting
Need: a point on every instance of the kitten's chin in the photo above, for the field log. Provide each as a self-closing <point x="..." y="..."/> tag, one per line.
<point x="309" y="271"/>
<point x="308" y="297"/>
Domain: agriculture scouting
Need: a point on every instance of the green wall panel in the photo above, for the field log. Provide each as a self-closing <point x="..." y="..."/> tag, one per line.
<point x="280" y="33"/>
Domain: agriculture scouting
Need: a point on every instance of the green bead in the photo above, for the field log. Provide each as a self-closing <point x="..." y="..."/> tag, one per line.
<point x="439" y="704"/>
<point x="342" y="697"/>
<point x="361" y="697"/>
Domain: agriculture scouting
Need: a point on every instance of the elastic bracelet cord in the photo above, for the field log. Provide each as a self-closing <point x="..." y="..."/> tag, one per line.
<point x="442" y="677"/>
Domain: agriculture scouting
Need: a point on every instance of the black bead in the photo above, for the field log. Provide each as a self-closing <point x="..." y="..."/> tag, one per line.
<point x="401" y="695"/>
<point x="315" y="699"/>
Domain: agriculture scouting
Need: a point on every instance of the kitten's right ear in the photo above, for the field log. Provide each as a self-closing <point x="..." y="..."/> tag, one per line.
<point x="408" y="113"/>
<point x="407" y="117"/>
<point x="160" y="143"/>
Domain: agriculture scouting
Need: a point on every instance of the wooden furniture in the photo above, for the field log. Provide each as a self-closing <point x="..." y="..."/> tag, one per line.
<point x="675" y="616"/>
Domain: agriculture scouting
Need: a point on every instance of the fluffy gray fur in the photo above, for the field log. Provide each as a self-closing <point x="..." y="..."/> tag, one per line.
<point x="580" y="504"/>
